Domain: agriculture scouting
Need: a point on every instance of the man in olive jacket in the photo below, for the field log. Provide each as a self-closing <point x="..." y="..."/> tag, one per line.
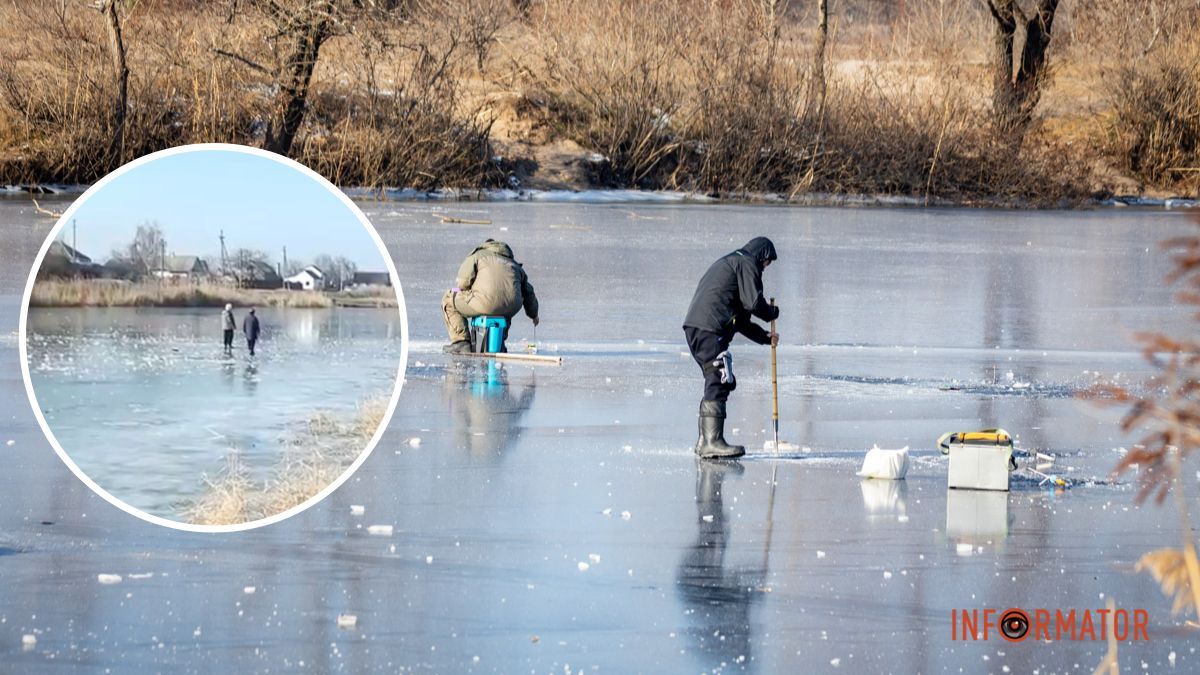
<point x="728" y="295"/>
<point x="489" y="283"/>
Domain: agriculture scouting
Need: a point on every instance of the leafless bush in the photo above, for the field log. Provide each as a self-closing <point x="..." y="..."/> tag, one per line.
<point x="1155" y="129"/>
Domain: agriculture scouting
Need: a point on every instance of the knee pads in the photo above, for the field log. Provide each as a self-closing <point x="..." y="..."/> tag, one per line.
<point x="723" y="365"/>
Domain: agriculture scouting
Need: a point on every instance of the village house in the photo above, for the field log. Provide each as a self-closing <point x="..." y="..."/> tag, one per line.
<point x="368" y="279"/>
<point x="183" y="268"/>
<point x="64" y="261"/>
<point x="310" y="278"/>
<point x="257" y="274"/>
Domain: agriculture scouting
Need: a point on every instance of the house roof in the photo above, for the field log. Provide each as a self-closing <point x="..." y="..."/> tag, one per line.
<point x="259" y="269"/>
<point x="59" y="248"/>
<point x="306" y="272"/>
<point x="372" y="278"/>
<point x="184" y="264"/>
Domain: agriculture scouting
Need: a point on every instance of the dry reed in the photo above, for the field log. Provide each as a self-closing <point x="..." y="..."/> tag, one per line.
<point x="315" y="453"/>
<point x="106" y="293"/>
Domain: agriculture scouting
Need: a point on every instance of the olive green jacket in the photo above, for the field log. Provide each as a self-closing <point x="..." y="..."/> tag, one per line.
<point x="491" y="273"/>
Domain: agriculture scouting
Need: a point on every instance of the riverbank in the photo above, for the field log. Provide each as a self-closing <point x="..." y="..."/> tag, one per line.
<point x="704" y="98"/>
<point x="109" y="293"/>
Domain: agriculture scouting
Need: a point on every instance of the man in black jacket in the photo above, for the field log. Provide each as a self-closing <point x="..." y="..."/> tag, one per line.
<point x="250" y="327"/>
<point x="728" y="295"/>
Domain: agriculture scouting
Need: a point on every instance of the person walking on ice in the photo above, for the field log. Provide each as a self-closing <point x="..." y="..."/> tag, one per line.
<point x="728" y="295"/>
<point x="229" y="325"/>
<point x="250" y="328"/>
<point x="489" y="283"/>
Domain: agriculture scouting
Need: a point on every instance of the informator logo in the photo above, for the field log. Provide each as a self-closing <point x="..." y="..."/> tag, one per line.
<point x="1050" y="625"/>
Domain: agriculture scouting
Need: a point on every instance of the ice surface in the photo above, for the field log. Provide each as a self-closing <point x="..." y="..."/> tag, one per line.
<point x="897" y="325"/>
<point x="176" y="407"/>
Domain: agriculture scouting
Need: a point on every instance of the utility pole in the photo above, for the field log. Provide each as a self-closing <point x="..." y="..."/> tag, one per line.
<point x="162" y="265"/>
<point x="224" y="271"/>
<point x="284" y="271"/>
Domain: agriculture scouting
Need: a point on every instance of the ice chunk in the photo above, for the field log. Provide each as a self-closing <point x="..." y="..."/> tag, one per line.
<point x="414" y="442"/>
<point x="607" y="512"/>
<point x="594" y="557"/>
<point x="380" y="530"/>
<point x="357" y="509"/>
<point x="347" y="621"/>
<point x="820" y="554"/>
<point x="785" y="446"/>
<point x="108" y="578"/>
<point x="10" y="442"/>
<point x="625" y="515"/>
<point x="964" y="549"/>
<point x="28" y="641"/>
<point x="249" y="590"/>
<point x="707" y="519"/>
<point x="428" y="560"/>
<point x="886" y="464"/>
<point x="583" y="567"/>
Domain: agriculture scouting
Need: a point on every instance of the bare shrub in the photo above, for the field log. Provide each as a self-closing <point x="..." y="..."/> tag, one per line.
<point x="1155" y="127"/>
<point x="611" y="87"/>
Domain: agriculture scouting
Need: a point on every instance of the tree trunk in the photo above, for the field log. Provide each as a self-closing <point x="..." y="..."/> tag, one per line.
<point x="819" y="54"/>
<point x="1015" y="95"/>
<point x="116" y="46"/>
<point x="295" y="75"/>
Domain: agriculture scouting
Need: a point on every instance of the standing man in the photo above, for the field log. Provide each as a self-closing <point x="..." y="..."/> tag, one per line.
<point x="728" y="295"/>
<point x="489" y="283"/>
<point x="250" y="328"/>
<point x="229" y="325"/>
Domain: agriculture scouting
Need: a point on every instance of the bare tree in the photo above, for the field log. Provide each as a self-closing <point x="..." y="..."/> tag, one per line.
<point x="306" y="24"/>
<point x="339" y="271"/>
<point x="116" y="47"/>
<point x="1015" y="94"/>
<point x="145" y="253"/>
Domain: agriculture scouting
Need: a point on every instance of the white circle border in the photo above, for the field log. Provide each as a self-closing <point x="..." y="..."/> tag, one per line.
<point x="362" y="456"/>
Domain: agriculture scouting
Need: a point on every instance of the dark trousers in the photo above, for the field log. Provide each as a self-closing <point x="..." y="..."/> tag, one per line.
<point x="228" y="339"/>
<point x="705" y="346"/>
<point x="250" y="342"/>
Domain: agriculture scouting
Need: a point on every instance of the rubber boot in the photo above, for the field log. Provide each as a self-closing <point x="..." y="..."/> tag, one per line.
<point x="712" y="443"/>
<point x="460" y="347"/>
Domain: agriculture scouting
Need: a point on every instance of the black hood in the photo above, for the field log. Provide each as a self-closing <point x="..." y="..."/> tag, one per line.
<point x="760" y="249"/>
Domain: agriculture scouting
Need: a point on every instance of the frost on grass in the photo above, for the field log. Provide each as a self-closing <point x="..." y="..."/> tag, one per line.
<point x="314" y="454"/>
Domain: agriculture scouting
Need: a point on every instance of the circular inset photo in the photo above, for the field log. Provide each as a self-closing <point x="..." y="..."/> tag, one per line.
<point x="213" y="337"/>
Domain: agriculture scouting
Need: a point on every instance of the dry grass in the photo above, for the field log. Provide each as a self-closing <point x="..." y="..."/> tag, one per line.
<point x="701" y="97"/>
<point x="1155" y="128"/>
<point x="384" y="108"/>
<point x="104" y="293"/>
<point x="315" y="453"/>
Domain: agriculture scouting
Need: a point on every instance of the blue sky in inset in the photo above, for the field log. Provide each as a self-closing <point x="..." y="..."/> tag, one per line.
<point x="193" y="196"/>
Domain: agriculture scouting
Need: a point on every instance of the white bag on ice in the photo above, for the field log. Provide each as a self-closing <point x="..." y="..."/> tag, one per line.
<point x="886" y="464"/>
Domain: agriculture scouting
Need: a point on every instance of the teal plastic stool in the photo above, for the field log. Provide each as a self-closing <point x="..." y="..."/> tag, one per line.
<point x="487" y="333"/>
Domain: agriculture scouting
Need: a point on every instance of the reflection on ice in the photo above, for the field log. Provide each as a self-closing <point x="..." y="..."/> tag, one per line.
<point x="485" y="409"/>
<point x="718" y="596"/>
<point x="977" y="518"/>
<point x="884" y="499"/>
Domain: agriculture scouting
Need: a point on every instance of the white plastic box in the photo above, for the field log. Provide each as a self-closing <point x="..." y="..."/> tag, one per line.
<point x="979" y="466"/>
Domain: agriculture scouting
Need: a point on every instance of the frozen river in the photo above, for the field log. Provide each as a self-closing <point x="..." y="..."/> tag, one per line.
<point x="145" y="402"/>
<point x="555" y="520"/>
